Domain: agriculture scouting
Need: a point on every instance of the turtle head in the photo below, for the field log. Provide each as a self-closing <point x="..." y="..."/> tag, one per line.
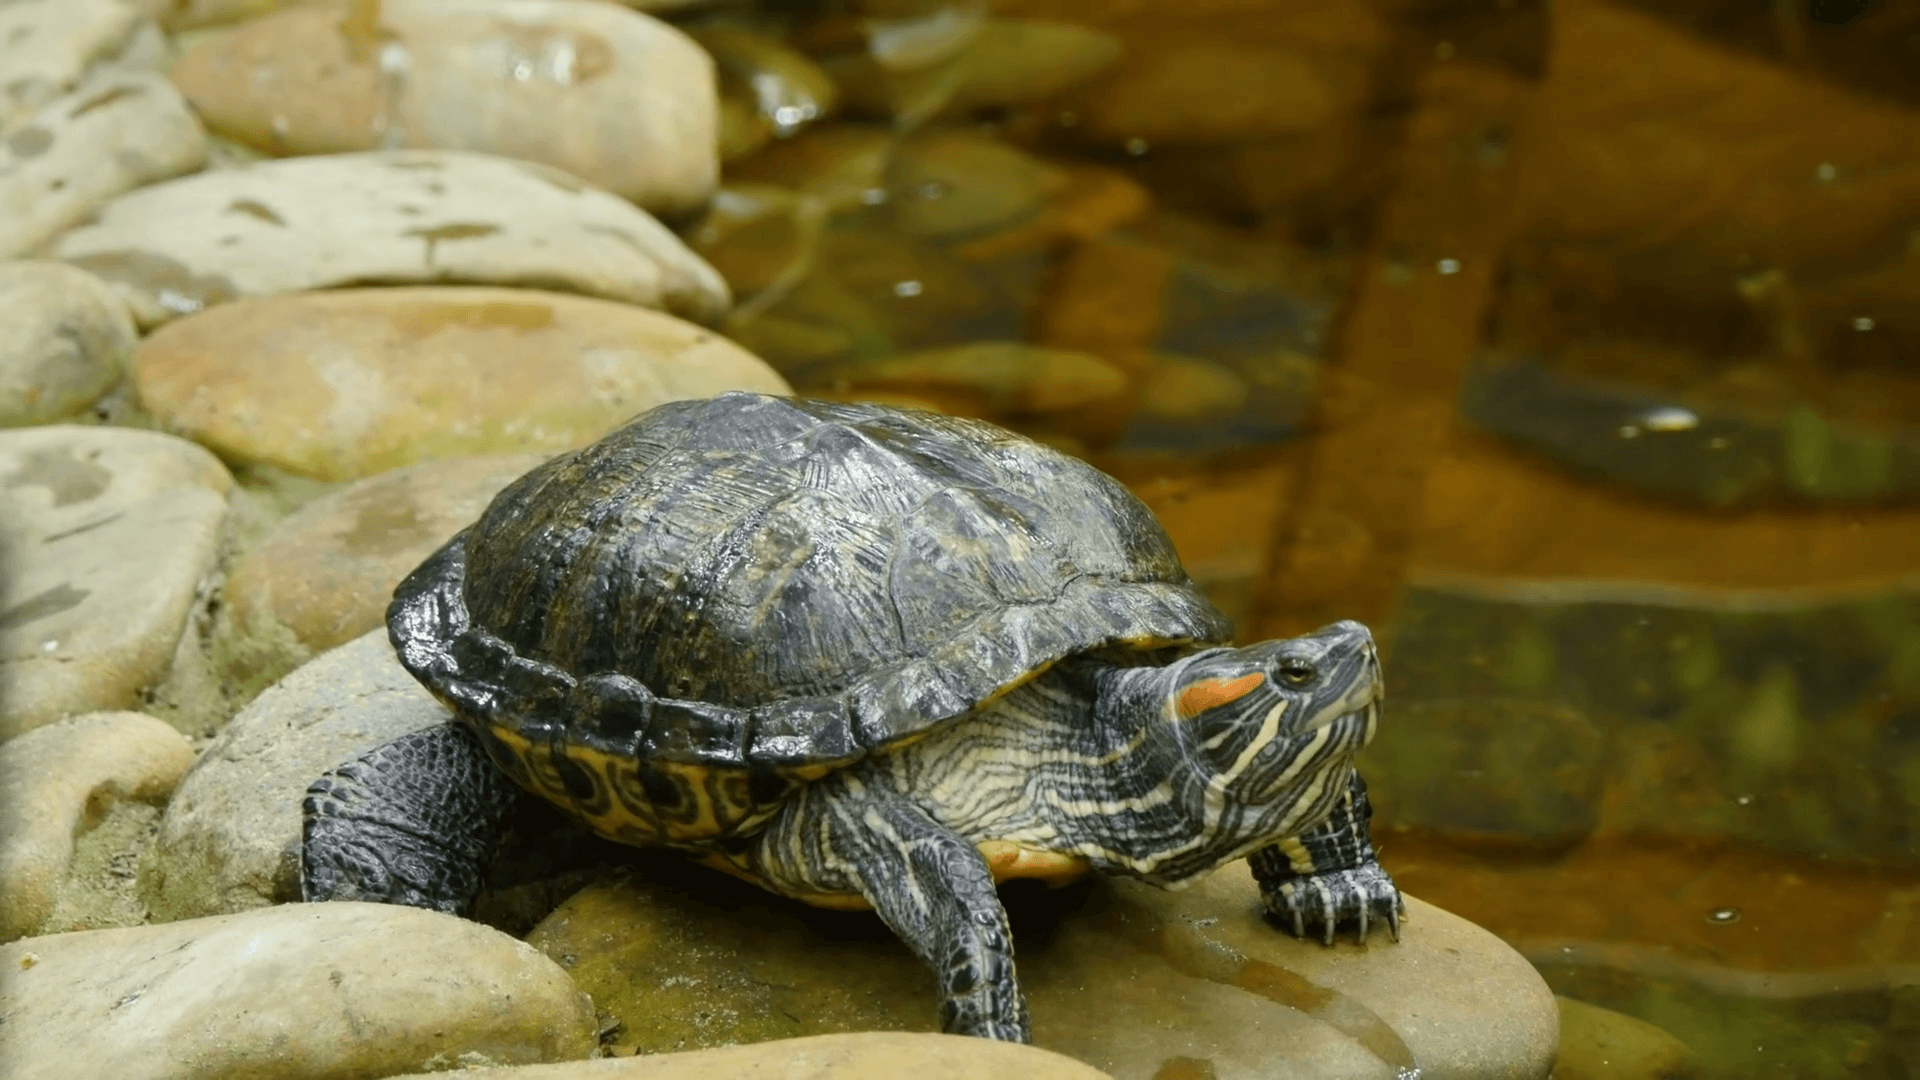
<point x="1270" y="729"/>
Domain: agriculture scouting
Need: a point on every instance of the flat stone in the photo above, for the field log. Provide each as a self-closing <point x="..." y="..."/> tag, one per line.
<point x="47" y="45"/>
<point x="230" y="839"/>
<point x="868" y="1055"/>
<point x="401" y="216"/>
<point x="119" y="130"/>
<point x="343" y="384"/>
<point x="62" y="779"/>
<point x="301" y="991"/>
<point x="1122" y="976"/>
<point x="618" y="98"/>
<point x="324" y="575"/>
<point x="106" y="534"/>
<point x="68" y="340"/>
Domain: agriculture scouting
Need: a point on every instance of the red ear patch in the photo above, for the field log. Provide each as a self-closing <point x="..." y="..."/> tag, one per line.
<point x="1208" y="693"/>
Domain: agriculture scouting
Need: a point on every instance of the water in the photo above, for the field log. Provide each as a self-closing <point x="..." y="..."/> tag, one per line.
<point x="1572" y="347"/>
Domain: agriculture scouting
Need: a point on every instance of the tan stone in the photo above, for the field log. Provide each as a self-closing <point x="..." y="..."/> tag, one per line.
<point x="116" y="131"/>
<point x="610" y="95"/>
<point x="347" y="383"/>
<point x="67" y="342"/>
<point x="440" y="217"/>
<point x="106" y="534"/>
<point x="869" y="1055"/>
<point x="325" y="574"/>
<point x="1122" y="976"/>
<point x="61" y="780"/>
<point x="46" y="46"/>
<point x="306" y="990"/>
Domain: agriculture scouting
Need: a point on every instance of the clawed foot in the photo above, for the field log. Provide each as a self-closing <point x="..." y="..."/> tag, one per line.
<point x="1325" y="900"/>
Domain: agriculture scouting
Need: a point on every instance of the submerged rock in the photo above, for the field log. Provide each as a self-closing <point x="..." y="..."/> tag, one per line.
<point x="308" y="990"/>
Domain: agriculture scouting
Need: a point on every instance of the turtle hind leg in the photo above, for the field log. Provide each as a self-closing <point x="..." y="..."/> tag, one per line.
<point x="415" y="821"/>
<point x="1329" y="874"/>
<point x="930" y="885"/>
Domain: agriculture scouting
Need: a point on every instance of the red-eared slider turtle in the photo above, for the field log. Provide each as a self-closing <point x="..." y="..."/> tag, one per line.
<point x="862" y="656"/>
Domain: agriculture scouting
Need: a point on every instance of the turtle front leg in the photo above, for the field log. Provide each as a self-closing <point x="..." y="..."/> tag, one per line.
<point x="416" y="821"/>
<point x="1329" y="874"/>
<point x="929" y="884"/>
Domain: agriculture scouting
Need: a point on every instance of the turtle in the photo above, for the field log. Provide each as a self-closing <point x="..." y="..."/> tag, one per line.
<point x="863" y="656"/>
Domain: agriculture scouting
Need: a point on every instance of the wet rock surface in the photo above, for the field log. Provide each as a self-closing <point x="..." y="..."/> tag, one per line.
<point x="230" y="839"/>
<point x="324" y="575"/>
<point x="619" y="99"/>
<point x="343" y="384"/>
<point x="1122" y="976"/>
<point x="68" y="341"/>
<point x="108" y="534"/>
<point x="116" y="131"/>
<point x="393" y="217"/>
<point x="872" y="1055"/>
<point x="308" y="990"/>
<point x="63" y="779"/>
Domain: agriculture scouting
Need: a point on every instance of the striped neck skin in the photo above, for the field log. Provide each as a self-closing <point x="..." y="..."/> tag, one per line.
<point x="1224" y="751"/>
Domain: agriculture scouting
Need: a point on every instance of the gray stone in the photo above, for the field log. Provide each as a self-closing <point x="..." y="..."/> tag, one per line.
<point x="1122" y="976"/>
<point x="107" y="535"/>
<point x="63" y="779"/>
<point x="47" y="45"/>
<point x="230" y="838"/>
<point x="620" y="99"/>
<point x="394" y="216"/>
<point x="868" y="1055"/>
<point x="116" y="131"/>
<point x="303" y="991"/>
<point x="67" y="342"/>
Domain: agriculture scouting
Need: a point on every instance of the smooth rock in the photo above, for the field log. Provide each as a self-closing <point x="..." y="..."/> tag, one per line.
<point x="324" y="575"/>
<point x="868" y="1055"/>
<point x="230" y="839"/>
<point x="61" y="780"/>
<point x="302" y="991"/>
<point x="1122" y="976"/>
<point x="1600" y="1044"/>
<point x="1191" y="389"/>
<point x="397" y="217"/>
<point x="346" y="383"/>
<point x="1016" y="61"/>
<point x="844" y="165"/>
<point x="106" y="534"/>
<point x="68" y="340"/>
<point x="615" y="97"/>
<point x="993" y="378"/>
<point x="116" y="131"/>
<point x="781" y="86"/>
<point x="949" y="183"/>
<point x="47" y="45"/>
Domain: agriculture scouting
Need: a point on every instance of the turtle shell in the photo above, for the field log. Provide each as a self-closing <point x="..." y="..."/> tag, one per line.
<point x="666" y="631"/>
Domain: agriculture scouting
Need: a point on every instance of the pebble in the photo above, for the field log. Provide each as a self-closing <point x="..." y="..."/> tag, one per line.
<point x="994" y="378"/>
<point x="620" y="99"/>
<point x="346" y="383"/>
<point x="1016" y="61"/>
<point x="323" y="576"/>
<point x="230" y="837"/>
<point x="118" y="130"/>
<point x="399" y="216"/>
<point x="867" y="1055"/>
<point x="1191" y="389"/>
<point x="301" y="991"/>
<point x="108" y="534"/>
<point x="778" y="88"/>
<point x="61" y="780"/>
<point x="845" y="165"/>
<point x="68" y="341"/>
<point x="953" y="183"/>
<point x="1127" y="978"/>
<point x="47" y="45"/>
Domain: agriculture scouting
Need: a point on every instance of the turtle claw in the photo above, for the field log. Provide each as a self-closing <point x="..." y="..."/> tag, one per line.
<point x="1364" y="895"/>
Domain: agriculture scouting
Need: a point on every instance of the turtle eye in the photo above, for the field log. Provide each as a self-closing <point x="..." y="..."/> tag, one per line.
<point x="1297" y="672"/>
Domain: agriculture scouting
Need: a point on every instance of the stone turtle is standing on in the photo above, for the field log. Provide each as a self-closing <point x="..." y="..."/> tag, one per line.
<point x="861" y="656"/>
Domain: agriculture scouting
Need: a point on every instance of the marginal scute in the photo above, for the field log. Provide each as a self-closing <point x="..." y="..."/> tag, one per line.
<point x="668" y="632"/>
